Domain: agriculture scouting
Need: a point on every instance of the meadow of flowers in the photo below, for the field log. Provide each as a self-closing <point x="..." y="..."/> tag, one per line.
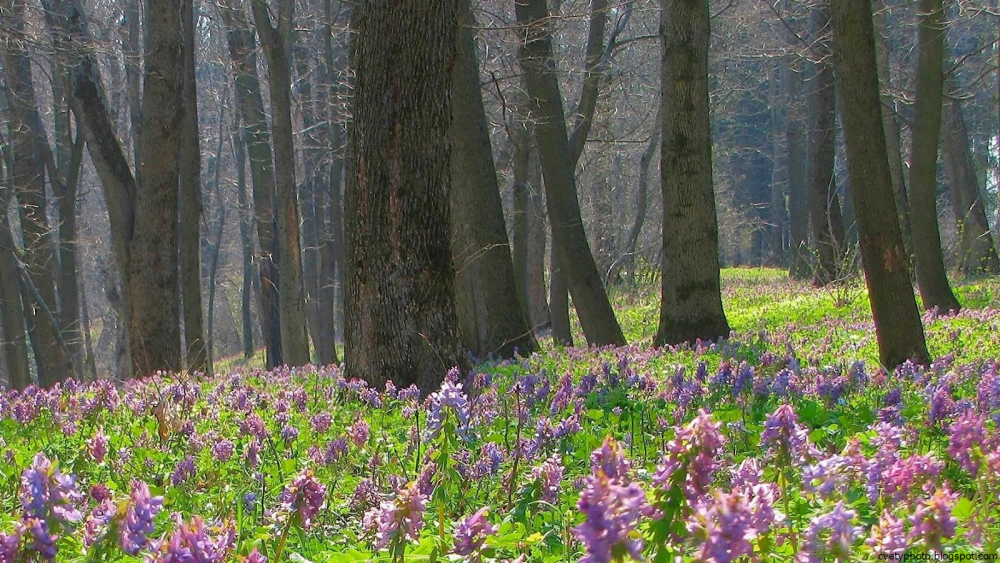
<point x="750" y="449"/>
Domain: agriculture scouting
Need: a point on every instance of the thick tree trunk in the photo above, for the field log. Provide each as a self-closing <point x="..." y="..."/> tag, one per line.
<point x="291" y="303"/>
<point x="978" y="253"/>
<point x="152" y="269"/>
<point x="401" y="323"/>
<point x="691" y="299"/>
<point x="897" y="321"/>
<point x="824" y="205"/>
<point x="562" y="333"/>
<point x="28" y="180"/>
<point x="250" y="106"/>
<point x="490" y="314"/>
<point x="190" y="208"/>
<point x="932" y="280"/>
<point x="589" y="297"/>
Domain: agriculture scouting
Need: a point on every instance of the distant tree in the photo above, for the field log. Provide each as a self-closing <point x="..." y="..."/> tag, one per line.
<point x="932" y="280"/>
<point x="558" y="156"/>
<point x="401" y="323"/>
<point x="15" y="345"/>
<point x="490" y="313"/>
<point x="691" y="299"/>
<point x="897" y="320"/>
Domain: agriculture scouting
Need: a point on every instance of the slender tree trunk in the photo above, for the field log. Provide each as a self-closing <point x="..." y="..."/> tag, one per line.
<point x="250" y="106"/>
<point x="155" y="338"/>
<point x="894" y="143"/>
<point x="798" y="207"/>
<point x="191" y="208"/>
<point x="978" y="253"/>
<point x="562" y="334"/>
<point x="627" y="260"/>
<point x="776" y="219"/>
<point x="246" y="242"/>
<point x="28" y="181"/>
<point x="490" y="314"/>
<point x="691" y="300"/>
<point x="529" y="234"/>
<point x="89" y="358"/>
<point x="401" y="323"/>
<point x="589" y="297"/>
<point x="213" y="270"/>
<point x="824" y="206"/>
<point x="132" y="54"/>
<point x="291" y="303"/>
<point x="897" y="322"/>
<point x="15" y="344"/>
<point x="932" y="280"/>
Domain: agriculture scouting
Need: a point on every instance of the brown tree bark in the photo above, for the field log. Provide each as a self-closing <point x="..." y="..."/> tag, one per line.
<point x="250" y="106"/>
<point x="978" y="254"/>
<point x="490" y="314"/>
<point x="589" y="297"/>
<point x="691" y="298"/>
<point x="932" y="280"/>
<point x="15" y="343"/>
<point x="824" y="205"/>
<point x="152" y="269"/>
<point x="401" y="323"/>
<point x="27" y="173"/>
<point x="528" y="237"/>
<point x="276" y="40"/>
<point x="897" y="322"/>
<point x="190" y="207"/>
<point x="246" y="242"/>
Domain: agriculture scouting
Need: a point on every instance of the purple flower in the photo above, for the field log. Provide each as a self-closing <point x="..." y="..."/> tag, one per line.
<point x="549" y="476"/>
<point x="691" y="457"/>
<point x="289" y="434"/>
<point x="255" y="557"/>
<point x="303" y="497"/>
<point x="49" y="495"/>
<point x="97" y="522"/>
<point x="97" y="446"/>
<point x="610" y="459"/>
<point x="932" y="520"/>
<point x="359" y="433"/>
<point x="782" y="431"/>
<point x="138" y="522"/>
<point x="44" y="541"/>
<point x="830" y="536"/>
<point x="450" y="396"/>
<point x="223" y="450"/>
<point x="10" y="545"/>
<point x="889" y="535"/>
<point x="472" y="532"/>
<point x="612" y="513"/>
<point x="394" y="521"/>
<point x="967" y="434"/>
<point x="335" y="450"/>
<point x="192" y="543"/>
<point x="321" y="422"/>
<point x="725" y="525"/>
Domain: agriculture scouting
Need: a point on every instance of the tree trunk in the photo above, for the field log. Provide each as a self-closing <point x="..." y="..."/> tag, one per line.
<point x="401" y="323"/>
<point x="589" y="297"/>
<point x="15" y="345"/>
<point x="776" y="218"/>
<point x="627" y="259"/>
<point x="932" y="280"/>
<point x="897" y="321"/>
<point x="155" y="338"/>
<point x="291" y="304"/>
<point x="28" y="180"/>
<point x="529" y="234"/>
<point x="246" y="220"/>
<point x="691" y="299"/>
<point x="798" y="206"/>
<point x="490" y="314"/>
<point x="562" y="334"/>
<point x="250" y="106"/>
<point x="824" y="206"/>
<point x="978" y="253"/>
<point x="894" y="143"/>
<point x="190" y="207"/>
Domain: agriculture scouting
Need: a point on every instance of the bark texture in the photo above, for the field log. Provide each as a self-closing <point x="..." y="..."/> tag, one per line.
<point x="528" y="237"/>
<point x="897" y="321"/>
<point x="691" y="295"/>
<point x="401" y="323"/>
<point x="597" y="317"/>
<point x="490" y="313"/>
<point x="932" y="280"/>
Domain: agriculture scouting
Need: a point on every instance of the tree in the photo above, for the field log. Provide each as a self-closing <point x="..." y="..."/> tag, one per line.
<point x="897" y="322"/>
<point x="932" y="280"/>
<point x="276" y="40"/>
<point x="571" y="249"/>
<point x="15" y="346"/>
<point x="401" y="323"/>
<point x="490" y="312"/>
<point x="691" y="295"/>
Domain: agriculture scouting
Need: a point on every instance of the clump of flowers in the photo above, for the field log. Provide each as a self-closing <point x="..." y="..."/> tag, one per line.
<point x="137" y="524"/>
<point x="933" y="521"/>
<point x="97" y="447"/>
<point x="449" y="397"/>
<point x="394" y="522"/>
<point x="967" y="435"/>
<point x="303" y="498"/>
<point x="691" y="459"/>
<point x="359" y="432"/>
<point x="49" y="499"/>
<point x="612" y="507"/>
<point x="830" y="536"/>
<point x="548" y="475"/>
<point x="471" y="533"/>
<point x="194" y="542"/>
<point x="889" y="535"/>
